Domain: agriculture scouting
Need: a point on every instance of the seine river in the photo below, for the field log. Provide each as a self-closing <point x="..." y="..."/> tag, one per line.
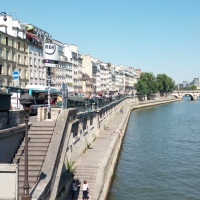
<point x="160" y="156"/>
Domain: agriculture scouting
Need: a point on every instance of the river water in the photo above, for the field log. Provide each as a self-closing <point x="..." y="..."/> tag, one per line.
<point x="160" y="156"/>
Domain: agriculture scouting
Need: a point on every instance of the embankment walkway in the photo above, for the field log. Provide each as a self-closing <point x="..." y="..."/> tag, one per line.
<point x="89" y="163"/>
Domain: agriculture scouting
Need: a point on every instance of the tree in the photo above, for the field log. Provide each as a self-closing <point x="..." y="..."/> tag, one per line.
<point x="146" y="85"/>
<point x="164" y="84"/>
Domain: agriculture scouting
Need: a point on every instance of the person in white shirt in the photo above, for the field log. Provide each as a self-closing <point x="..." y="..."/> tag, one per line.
<point x="117" y="130"/>
<point x="85" y="190"/>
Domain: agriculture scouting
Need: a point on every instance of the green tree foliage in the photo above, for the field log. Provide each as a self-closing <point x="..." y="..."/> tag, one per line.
<point x="146" y="85"/>
<point x="164" y="84"/>
<point x="193" y="87"/>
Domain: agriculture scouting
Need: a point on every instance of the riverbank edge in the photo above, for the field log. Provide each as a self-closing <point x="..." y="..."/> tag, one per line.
<point x="109" y="162"/>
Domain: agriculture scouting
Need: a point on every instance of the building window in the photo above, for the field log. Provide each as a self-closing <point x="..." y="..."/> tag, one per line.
<point x="13" y="56"/>
<point x="8" y="83"/>
<point x="6" y="40"/>
<point x="25" y="60"/>
<point x="13" y="43"/>
<point x="24" y="47"/>
<point x="1" y="69"/>
<point x="30" y="61"/>
<point x="0" y="39"/>
<point x="13" y="69"/>
<point x="0" y="83"/>
<point x="18" y="45"/>
<point x="43" y="75"/>
<point x="20" y="85"/>
<point x="40" y="74"/>
<point x="35" y="74"/>
<point x="31" y="74"/>
<point x="35" y="62"/>
<point x="7" y="54"/>
<point x="8" y="70"/>
<point x="25" y="73"/>
<point x="20" y="73"/>
<point x="39" y="62"/>
<point x="1" y="53"/>
<point x="19" y="59"/>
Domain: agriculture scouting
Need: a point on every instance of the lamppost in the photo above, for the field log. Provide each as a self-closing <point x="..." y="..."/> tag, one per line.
<point x="3" y="14"/>
<point x="26" y="100"/>
<point x="49" y="91"/>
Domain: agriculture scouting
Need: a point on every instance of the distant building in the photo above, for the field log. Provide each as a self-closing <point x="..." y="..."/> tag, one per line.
<point x="13" y="52"/>
<point x="36" y="38"/>
<point x="186" y="84"/>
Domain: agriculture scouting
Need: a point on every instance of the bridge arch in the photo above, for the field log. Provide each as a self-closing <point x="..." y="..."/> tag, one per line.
<point x="192" y="93"/>
<point x="193" y="97"/>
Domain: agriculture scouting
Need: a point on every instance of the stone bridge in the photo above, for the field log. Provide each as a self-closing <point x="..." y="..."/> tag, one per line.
<point x="192" y="93"/>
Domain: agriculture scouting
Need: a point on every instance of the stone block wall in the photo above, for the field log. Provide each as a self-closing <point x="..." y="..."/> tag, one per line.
<point x="11" y="118"/>
<point x="10" y="140"/>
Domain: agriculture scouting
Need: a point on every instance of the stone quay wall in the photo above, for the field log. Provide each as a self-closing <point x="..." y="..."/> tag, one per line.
<point x="108" y="164"/>
<point x="72" y="135"/>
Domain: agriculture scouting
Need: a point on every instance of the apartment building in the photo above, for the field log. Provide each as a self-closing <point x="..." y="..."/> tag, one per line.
<point x="13" y="52"/>
<point x="77" y="69"/>
<point x="36" y="38"/>
<point x="89" y="72"/>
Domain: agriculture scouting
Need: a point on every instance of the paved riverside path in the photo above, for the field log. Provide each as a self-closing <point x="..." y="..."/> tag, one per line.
<point x="89" y="162"/>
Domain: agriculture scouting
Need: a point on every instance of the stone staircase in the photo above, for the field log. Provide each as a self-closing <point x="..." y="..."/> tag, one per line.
<point x="85" y="172"/>
<point x="39" y="135"/>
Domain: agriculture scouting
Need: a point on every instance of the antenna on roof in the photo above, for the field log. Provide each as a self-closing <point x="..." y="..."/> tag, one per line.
<point x="16" y="13"/>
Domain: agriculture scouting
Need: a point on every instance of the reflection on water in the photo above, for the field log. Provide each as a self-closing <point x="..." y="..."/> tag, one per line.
<point x="160" y="157"/>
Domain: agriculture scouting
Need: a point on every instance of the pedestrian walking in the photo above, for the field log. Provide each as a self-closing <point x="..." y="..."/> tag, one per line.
<point x="121" y="111"/>
<point x="85" y="190"/>
<point x="117" y="130"/>
<point x="74" y="188"/>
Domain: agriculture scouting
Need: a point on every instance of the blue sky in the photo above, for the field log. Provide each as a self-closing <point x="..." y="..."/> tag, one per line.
<point x="159" y="36"/>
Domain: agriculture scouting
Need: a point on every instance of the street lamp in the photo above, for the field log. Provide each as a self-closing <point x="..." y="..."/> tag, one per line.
<point x="3" y="14"/>
<point x="26" y="100"/>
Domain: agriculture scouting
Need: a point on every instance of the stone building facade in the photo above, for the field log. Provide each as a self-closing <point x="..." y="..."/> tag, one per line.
<point x="13" y="53"/>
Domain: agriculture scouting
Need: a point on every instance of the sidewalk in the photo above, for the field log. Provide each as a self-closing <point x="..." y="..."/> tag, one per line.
<point x="89" y="162"/>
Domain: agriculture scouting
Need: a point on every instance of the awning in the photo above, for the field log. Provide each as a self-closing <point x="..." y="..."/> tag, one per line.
<point x="76" y="98"/>
<point x="29" y="35"/>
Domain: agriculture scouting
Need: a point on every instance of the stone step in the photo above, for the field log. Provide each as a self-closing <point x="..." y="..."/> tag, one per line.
<point x="44" y="124"/>
<point x="31" y="178"/>
<point x="30" y="158"/>
<point x="41" y="136"/>
<point x="33" y="140"/>
<point x="32" y="163"/>
<point x="40" y="132"/>
<point x="34" y="148"/>
<point x="30" y="167"/>
<point x="30" y="153"/>
<point x="87" y="167"/>
<point x="30" y="173"/>
<point x="33" y="144"/>
<point x="80" y="171"/>
<point x="41" y="129"/>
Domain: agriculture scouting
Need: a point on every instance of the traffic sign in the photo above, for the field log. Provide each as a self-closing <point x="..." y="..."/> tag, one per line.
<point x="15" y="75"/>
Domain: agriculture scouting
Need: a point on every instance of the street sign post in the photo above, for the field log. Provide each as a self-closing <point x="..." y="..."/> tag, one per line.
<point x="15" y="75"/>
